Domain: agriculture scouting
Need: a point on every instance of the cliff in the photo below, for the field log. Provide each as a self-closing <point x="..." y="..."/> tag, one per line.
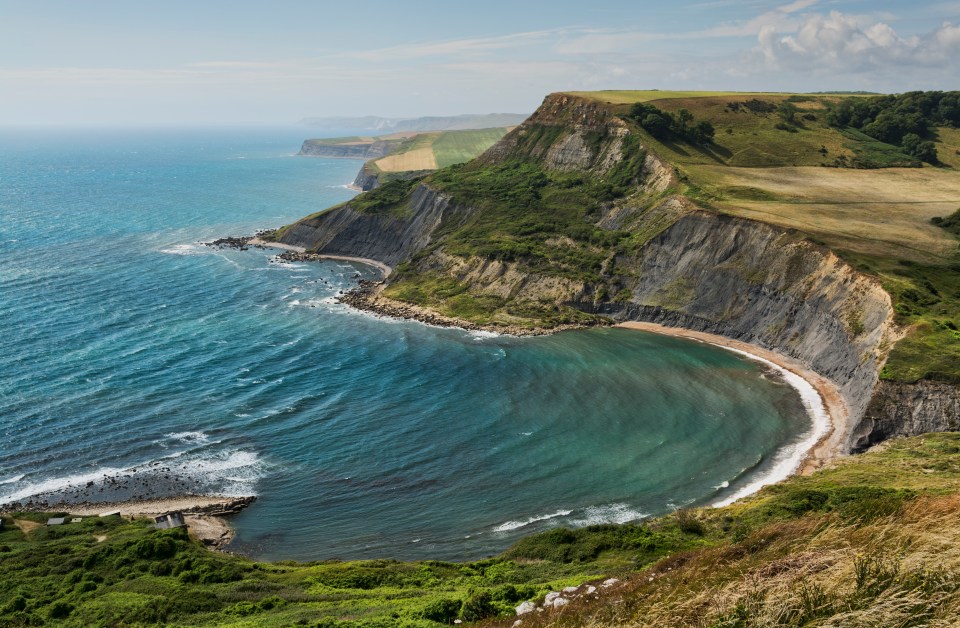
<point x="365" y="150"/>
<point x="642" y="248"/>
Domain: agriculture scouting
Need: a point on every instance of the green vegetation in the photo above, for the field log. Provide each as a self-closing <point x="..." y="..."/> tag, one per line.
<point x="903" y="120"/>
<point x="663" y="124"/>
<point x="531" y="214"/>
<point x="951" y="223"/>
<point x="866" y="528"/>
<point x="391" y="198"/>
<point x="457" y="147"/>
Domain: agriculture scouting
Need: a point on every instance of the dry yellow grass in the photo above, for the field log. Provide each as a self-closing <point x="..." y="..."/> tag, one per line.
<point x="627" y="96"/>
<point x="885" y="212"/>
<point x="419" y="159"/>
<point x="896" y="571"/>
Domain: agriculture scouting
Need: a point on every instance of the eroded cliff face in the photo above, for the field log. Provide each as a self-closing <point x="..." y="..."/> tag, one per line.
<point x="360" y="150"/>
<point x="902" y="409"/>
<point x="389" y="237"/>
<point x="761" y="285"/>
<point x="695" y="269"/>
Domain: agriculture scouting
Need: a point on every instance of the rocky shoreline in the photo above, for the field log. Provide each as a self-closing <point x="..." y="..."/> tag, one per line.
<point x="367" y="297"/>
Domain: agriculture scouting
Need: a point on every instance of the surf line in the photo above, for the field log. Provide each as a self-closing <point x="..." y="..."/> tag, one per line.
<point x="383" y="268"/>
<point x="820" y="398"/>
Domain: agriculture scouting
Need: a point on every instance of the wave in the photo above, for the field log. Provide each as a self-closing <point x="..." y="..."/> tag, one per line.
<point x="515" y="525"/>
<point x="230" y="472"/>
<point x="189" y="437"/>
<point x="184" y="249"/>
<point x="13" y="480"/>
<point x="786" y="462"/>
<point x="608" y="513"/>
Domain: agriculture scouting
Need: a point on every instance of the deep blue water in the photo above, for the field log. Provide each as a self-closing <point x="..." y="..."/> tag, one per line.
<point x="135" y="361"/>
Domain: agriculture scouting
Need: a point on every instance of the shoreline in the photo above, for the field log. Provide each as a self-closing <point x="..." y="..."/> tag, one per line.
<point x="205" y="515"/>
<point x="821" y="398"/>
<point x="257" y="242"/>
<point x="826" y="407"/>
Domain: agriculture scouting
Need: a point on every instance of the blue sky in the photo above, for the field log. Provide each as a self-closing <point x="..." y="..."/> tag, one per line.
<point x="173" y="62"/>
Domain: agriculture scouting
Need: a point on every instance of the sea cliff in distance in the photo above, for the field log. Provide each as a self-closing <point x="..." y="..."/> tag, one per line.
<point x="427" y="123"/>
<point x="820" y="227"/>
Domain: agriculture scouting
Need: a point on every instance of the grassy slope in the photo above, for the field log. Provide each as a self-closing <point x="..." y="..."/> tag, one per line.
<point x="888" y="515"/>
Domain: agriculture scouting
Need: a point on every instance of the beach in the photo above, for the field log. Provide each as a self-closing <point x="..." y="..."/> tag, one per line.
<point x="829" y="412"/>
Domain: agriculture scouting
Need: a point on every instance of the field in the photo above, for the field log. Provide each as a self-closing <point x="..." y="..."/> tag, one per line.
<point x="429" y="151"/>
<point x="873" y="212"/>
<point x="627" y="97"/>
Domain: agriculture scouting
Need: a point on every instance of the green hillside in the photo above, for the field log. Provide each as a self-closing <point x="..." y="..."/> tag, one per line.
<point x="780" y="159"/>
<point x="873" y="538"/>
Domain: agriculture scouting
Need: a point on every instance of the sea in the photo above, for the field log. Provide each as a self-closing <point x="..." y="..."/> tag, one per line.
<point x="137" y="362"/>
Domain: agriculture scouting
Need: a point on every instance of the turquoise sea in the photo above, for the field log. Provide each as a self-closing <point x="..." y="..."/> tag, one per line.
<point x="135" y="361"/>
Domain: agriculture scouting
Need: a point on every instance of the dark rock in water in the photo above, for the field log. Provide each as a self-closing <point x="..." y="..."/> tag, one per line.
<point x="231" y="243"/>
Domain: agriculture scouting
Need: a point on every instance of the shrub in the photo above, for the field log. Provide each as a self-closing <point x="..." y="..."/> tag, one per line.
<point x="478" y="606"/>
<point x="59" y="610"/>
<point x="688" y="522"/>
<point x="442" y="611"/>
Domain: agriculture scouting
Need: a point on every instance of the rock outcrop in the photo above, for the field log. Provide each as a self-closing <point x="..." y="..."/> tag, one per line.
<point x="908" y="409"/>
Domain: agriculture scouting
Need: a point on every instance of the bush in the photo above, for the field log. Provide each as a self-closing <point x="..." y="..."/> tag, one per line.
<point x="59" y="610"/>
<point x="477" y="607"/>
<point x="688" y="522"/>
<point x="442" y="611"/>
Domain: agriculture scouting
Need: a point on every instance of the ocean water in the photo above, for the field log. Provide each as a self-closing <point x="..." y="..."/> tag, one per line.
<point x="135" y="361"/>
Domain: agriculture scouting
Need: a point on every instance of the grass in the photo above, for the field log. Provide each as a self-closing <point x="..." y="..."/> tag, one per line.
<point x="883" y="213"/>
<point x="774" y="159"/>
<point x="837" y="544"/>
<point x="430" y="151"/>
<point x="456" y="147"/>
<point x="628" y="97"/>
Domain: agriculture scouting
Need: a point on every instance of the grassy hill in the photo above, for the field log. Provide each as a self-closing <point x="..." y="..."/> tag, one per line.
<point x="840" y="187"/>
<point x="871" y="540"/>
<point x="775" y="158"/>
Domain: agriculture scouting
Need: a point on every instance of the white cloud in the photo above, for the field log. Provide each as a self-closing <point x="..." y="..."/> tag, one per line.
<point x="837" y="42"/>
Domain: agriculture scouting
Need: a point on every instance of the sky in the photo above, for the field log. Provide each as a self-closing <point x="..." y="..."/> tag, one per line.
<point x="128" y="62"/>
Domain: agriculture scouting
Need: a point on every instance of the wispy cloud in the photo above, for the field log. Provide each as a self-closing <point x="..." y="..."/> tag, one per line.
<point x="456" y="47"/>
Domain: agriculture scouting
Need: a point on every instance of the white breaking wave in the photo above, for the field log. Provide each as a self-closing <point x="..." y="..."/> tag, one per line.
<point x="514" y="525"/>
<point x="13" y="480"/>
<point x="232" y="472"/>
<point x="184" y="249"/>
<point x="608" y="513"/>
<point x="189" y="437"/>
<point x="788" y="459"/>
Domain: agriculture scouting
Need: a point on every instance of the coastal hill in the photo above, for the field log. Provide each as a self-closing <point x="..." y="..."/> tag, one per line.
<point x="819" y="226"/>
<point x="404" y="155"/>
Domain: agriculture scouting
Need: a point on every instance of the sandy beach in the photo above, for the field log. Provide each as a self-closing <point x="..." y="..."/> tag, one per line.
<point x="383" y="268"/>
<point x="828" y="434"/>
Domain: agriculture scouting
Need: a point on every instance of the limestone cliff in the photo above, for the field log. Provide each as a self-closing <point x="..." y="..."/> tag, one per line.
<point x="688" y="267"/>
<point x="352" y="150"/>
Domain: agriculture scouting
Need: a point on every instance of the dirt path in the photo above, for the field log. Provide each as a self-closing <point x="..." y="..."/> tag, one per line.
<point x="27" y="526"/>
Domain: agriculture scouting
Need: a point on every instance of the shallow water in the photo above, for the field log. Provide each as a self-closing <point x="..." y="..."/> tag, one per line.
<point x="136" y="361"/>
